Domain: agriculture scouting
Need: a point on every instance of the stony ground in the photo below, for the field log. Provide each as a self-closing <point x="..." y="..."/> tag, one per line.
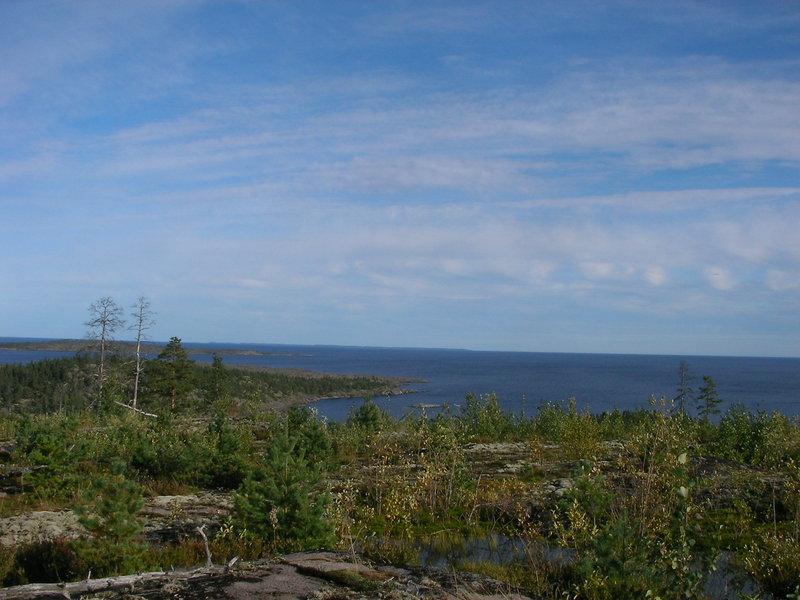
<point x="167" y="518"/>
<point x="306" y="575"/>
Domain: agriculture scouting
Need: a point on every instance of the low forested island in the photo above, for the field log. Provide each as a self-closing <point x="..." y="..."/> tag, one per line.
<point x="115" y="469"/>
<point x="123" y="347"/>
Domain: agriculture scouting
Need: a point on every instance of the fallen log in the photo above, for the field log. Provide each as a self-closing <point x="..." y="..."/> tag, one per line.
<point x="45" y="591"/>
<point x="136" y="410"/>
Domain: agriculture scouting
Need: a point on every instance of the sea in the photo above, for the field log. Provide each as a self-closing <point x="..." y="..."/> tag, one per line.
<point x="523" y="381"/>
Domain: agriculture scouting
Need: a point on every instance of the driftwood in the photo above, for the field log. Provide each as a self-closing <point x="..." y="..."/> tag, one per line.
<point x="42" y="591"/>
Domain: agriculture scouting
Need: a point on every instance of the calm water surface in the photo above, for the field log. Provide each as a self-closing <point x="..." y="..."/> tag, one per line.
<point x="522" y="380"/>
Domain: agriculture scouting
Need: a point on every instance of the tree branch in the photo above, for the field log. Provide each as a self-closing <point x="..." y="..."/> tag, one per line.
<point x="136" y="410"/>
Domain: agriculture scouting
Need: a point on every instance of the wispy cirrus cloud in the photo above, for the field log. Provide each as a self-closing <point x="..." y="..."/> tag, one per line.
<point x="414" y="161"/>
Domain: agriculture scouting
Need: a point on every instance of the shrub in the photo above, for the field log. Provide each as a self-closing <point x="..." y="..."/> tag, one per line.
<point x="109" y="512"/>
<point x="46" y="439"/>
<point x="578" y="433"/>
<point x="284" y="501"/>
<point x="756" y="438"/>
<point x="227" y="466"/>
<point x="171" y="449"/>
<point x="484" y="419"/>
<point x="311" y="434"/>
<point x="40" y="562"/>
<point x="368" y="417"/>
<point x="774" y="563"/>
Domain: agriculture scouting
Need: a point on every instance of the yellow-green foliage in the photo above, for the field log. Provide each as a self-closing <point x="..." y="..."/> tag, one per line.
<point x="637" y="519"/>
<point x="484" y="420"/>
<point x="412" y="478"/>
<point x="773" y="561"/>
<point x="578" y="434"/>
<point x="640" y="541"/>
<point x="761" y="439"/>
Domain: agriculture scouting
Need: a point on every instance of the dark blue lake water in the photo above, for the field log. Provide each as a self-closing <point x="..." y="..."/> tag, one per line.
<point x="523" y="380"/>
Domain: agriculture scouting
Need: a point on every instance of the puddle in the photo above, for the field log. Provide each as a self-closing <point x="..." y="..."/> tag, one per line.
<point x="451" y="549"/>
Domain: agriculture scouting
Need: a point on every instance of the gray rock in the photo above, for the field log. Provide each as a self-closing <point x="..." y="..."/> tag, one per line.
<point x="322" y="575"/>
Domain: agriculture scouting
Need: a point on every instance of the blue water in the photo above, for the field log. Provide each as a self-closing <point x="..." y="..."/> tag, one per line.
<point x="523" y="380"/>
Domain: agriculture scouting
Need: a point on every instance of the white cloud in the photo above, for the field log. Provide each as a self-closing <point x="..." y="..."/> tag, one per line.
<point x="782" y="281"/>
<point x="655" y="275"/>
<point x="666" y="202"/>
<point x="679" y="114"/>
<point x="720" y="279"/>
<point x="391" y="175"/>
<point x="437" y="172"/>
<point x="606" y="271"/>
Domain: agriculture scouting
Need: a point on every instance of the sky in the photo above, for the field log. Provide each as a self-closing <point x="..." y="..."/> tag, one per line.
<point x="557" y="176"/>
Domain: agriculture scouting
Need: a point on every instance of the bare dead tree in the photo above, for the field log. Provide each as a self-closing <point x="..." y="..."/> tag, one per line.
<point x="202" y="533"/>
<point x="105" y="317"/>
<point x="142" y="321"/>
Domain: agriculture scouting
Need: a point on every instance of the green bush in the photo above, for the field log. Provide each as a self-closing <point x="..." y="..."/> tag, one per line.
<point x="227" y="466"/>
<point x="285" y="502"/>
<point x="311" y="433"/>
<point x="171" y="449"/>
<point x="109" y="513"/>
<point x="740" y="434"/>
<point x="47" y="439"/>
<point x="578" y="433"/>
<point x="756" y="438"/>
<point x="368" y="417"/>
<point x="483" y="419"/>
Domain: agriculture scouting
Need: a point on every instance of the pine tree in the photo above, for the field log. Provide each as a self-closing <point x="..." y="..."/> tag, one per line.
<point x="173" y="373"/>
<point x="312" y="434"/>
<point x="708" y="399"/>
<point x="685" y="391"/>
<point x="228" y="465"/>
<point x="284" y="502"/>
<point x="218" y="385"/>
<point x="368" y="416"/>
<point x="109" y="512"/>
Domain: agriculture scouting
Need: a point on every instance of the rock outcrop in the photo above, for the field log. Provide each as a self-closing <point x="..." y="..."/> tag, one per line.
<point x="321" y="575"/>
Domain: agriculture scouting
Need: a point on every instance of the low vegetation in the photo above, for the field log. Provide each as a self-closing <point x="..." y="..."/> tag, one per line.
<point x="646" y="504"/>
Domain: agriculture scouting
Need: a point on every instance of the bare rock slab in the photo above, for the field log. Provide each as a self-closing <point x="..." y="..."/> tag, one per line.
<point x="319" y="575"/>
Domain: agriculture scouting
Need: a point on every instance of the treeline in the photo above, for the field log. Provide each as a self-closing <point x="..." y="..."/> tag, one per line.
<point x="273" y="384"/>
<point x="108" y="376"/>
<point x="47" y="385"/>
<point x="70" y="384"/>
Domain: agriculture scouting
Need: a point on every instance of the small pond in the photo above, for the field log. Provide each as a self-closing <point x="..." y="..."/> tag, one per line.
<point x="452" y="549"/>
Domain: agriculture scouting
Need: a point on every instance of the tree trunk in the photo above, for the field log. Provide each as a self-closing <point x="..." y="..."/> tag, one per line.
<point x="129" y="583"/>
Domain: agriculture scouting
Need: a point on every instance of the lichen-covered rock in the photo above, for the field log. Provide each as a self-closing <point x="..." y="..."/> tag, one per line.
<point x="38" y="526"/>
<point x="167" y="518"/>
<point x="321" y="575"/>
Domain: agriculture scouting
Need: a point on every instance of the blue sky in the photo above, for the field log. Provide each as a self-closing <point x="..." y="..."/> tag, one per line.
<point x="546" y="176"/>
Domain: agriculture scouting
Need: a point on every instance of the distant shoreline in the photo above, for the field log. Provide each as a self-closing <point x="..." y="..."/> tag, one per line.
<point x="394" y="385"/>
<point x="128" y="348"/>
